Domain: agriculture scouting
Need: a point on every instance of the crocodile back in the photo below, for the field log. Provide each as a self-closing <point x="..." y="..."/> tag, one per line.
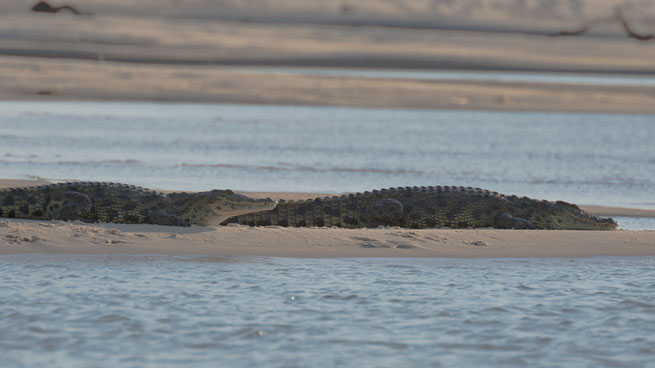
<point x="409" y="207"/>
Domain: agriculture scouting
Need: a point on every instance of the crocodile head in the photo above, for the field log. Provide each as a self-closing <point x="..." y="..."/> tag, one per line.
<point x="225" y="204"/>
<point x="564" y="216"/>
<point x="215" y="206"/>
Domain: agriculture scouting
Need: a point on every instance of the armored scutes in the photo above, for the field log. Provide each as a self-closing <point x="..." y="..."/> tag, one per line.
<point x="121" y="203"/>
<point x="428" y="207"/>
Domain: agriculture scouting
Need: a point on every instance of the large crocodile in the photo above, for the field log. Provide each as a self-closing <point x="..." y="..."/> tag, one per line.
<point x="428" y="207"/>
<point x="121" y="203"/>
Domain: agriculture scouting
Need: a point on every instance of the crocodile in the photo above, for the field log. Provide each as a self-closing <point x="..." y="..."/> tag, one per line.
<point x="122" y="203"/>
<point x="427" y="207"/>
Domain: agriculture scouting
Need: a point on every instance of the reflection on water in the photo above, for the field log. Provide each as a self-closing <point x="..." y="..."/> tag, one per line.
<point x="154" y="311"/>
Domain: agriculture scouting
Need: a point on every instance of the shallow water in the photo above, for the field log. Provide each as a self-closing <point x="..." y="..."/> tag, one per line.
<point x="450" y="75"/>
<point x="159" y="311"/>
<point x="605" y="159"/>
<point x="635" y="223"/>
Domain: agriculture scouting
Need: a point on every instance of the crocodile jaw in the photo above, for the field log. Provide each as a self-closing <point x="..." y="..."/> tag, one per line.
<point x="589" y="223"/>
<point x="228" y="210"/>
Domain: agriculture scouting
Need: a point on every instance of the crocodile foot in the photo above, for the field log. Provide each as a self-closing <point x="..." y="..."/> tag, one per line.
<point x="507" y="221"/>
<point x="386" y="212"/>
<point x="70" y="206"/>
<point x="162" y="218"/>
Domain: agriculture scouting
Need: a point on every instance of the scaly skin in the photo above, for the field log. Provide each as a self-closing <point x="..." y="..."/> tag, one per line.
<point x="121" y="203"/>
<point x="428" y="207"/>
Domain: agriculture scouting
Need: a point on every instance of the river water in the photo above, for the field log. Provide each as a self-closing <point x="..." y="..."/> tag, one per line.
<point x="604" y="159"/>
<point x="598" y="159"/>
<point x="477" y="76"/>
<point x="199" y="311"/>
<point x="165" y="311"/>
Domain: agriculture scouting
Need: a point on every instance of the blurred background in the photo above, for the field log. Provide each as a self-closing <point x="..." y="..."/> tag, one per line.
<point x="551" y="99"/>
<point x="288" y="52"/>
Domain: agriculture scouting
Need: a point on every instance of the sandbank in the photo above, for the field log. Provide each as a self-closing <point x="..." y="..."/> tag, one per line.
<point x="28" y="236"/>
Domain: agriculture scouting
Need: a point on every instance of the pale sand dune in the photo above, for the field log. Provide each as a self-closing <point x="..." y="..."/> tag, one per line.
<point x="25" y="236"/>
<point x="58" y="80"/>
<point x="526" y="15"/>
<point x="180" y="51"/>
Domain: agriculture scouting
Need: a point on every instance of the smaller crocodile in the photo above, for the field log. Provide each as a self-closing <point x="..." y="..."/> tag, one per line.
<point x="428" y="207"/>
<point x="122" y="203"/>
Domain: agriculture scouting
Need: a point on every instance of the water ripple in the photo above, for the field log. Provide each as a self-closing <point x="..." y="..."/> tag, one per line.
<point x="152" y="311"/>
<point x="603" y="159"/>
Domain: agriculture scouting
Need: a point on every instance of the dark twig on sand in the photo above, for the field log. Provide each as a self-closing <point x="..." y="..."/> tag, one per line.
<point x="628" y="29"/>
<point x="43" y="6"/>
<point x="618" y="17"/>
<point x="584" y="28"/>
<point x="576" y="32"/>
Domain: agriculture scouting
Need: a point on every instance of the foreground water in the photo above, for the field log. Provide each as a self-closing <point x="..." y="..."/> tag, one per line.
<point x="159" y="311"/>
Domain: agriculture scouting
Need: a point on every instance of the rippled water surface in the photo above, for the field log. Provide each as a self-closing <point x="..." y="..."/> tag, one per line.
<point x="158" y="311"/>
<point x="606" y="159"/>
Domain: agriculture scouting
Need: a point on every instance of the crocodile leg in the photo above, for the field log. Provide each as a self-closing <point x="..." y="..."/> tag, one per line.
<point x="160" y="217"/>
<point x="385" y="212"/>
<point x="69" y="206"/>
<point x="507" y="221"/>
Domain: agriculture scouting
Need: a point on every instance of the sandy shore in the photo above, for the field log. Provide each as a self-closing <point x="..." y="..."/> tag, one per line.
<point x="25" y="236"/>
<point x="21" y="236"/>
